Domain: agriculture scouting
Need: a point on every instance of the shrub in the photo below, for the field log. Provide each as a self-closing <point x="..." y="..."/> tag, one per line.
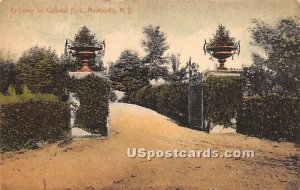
<point x="167" y="99"/>
<point x="27" y="95"/>
<point x="222" y="98"/>
<point x="273" y="117"/>
<point x="221" y="38"/>
<point x="21" y="124"/>
<point x="93" y="93"/>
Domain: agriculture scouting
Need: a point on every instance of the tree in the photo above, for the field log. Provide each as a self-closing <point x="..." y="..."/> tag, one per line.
<point x="258" y="81"/>
<point x="221" y="38"/>
<point x="155" y="44"/>
<point x="37" y="68"/>
<point x="36" y="54"/>
<point x="177" y="74"/>
<point x="279" y="71"/>
<point x="84" y="38"/>
<point x="8" y="72"/>
<point x="128" y="72"/>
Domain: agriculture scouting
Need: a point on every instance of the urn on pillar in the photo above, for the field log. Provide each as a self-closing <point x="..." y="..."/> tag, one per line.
<point x="85" y="47"/>
<point x="222" y="46"/>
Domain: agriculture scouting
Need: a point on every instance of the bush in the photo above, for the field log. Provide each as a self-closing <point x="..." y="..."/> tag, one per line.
<point x="27" y="95"/>
<point x="273" y="117"/>
<point x="222" y="98"/>
<point x="93" y="93"/>
<point x="167" y="99"/>
<point x="22" y="124"/>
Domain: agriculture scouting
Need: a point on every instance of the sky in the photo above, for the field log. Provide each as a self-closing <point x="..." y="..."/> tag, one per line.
<point x="120" y="22"/>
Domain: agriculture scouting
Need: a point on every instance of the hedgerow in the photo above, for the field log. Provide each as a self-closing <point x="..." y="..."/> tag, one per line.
<point x="22" y="124"/>
<point x="272" y="117"/>
<point x="167" y="99"/>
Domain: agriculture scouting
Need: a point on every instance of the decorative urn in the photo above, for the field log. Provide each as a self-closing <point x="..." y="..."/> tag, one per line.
<point x="86" y="54"/>
<point x="222" y="47"/>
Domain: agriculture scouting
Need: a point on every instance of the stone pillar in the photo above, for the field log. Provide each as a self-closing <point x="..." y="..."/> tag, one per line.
<point x="210" y="125"/>
<point x="75" y="103"/>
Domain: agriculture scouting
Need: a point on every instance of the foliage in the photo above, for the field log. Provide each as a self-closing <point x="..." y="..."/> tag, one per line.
<point x="279" y="69"/>
<point x="27" y="95"/>
<point x="167" y="99"/>
<point x="221" y="38"/>
<point x="273" y="117"/>
<point x="84" y="38"/>
<point x="113" y="96"/>
<point x="93" y="93"/>
<point x="222" y="98"/>
<point x="22" y="124"/>
<point x="192" y="68"/>
<point x="36" y="55"/>
<point x="8" y="73"/>
<point x="70" y="63"/>
<point x="155" y="45"/>
<point x="177" y="74"/>
<point x="38" y="69"/>
<point x="128" y="72"/>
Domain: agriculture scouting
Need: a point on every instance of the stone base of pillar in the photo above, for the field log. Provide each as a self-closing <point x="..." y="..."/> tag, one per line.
<point x="224" y="73"/>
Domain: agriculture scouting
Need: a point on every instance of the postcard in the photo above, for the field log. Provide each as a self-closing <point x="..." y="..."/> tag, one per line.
<point x="156" y="94"/>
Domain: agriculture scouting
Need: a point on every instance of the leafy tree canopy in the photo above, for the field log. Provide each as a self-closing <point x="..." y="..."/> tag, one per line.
<point x="128" y="72"/>
<point x="155" y="44"/>
<point x="8" y="72"/>
<point x="37" y="54"/>
<point x="38" y="69"/>
<point x="278" y="72"/>
<point x="177" y="73"/>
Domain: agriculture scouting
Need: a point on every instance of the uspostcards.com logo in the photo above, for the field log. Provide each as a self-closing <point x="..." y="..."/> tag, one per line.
<point x="175" y="153"/>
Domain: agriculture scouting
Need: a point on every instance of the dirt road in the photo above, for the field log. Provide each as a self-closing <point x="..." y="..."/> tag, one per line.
<point x="103" y="163"/>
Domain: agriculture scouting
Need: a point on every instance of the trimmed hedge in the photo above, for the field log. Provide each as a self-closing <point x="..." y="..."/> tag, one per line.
<point x="273" y="117"/>
<point x="168" y="99"/>
<point x="222" y="98"/>
<point x="93" y="93"/>
<point x="22" y="124"/>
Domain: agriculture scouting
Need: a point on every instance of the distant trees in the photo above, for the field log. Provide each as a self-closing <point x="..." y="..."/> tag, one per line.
<point x="279" y="71"/>
<point x="155" y="45"/>
<point x="37" y="67"/>
<point x="8" y="73"/>
<point x="131" y="73"/>
<point x="128" y="72"/>
<point x="177" y="73"/>
<point x="41" y="70"/>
